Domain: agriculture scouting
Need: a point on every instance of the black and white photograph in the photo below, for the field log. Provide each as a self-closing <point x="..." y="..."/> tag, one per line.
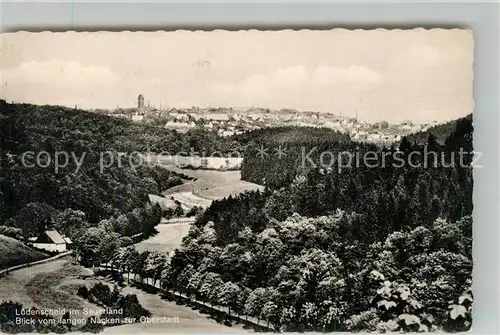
<point x="233" y="182"/>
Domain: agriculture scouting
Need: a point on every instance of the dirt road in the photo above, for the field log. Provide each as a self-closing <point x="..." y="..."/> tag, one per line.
<point x="55" y="285"/>
<point x="171" y="318"/>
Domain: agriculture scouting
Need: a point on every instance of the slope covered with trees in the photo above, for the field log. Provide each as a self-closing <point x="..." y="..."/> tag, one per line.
<point x="365" y="249"/>
<point x="87" y="190"/>
<point x="441" y="131"/>
<point x="273" y="156"/>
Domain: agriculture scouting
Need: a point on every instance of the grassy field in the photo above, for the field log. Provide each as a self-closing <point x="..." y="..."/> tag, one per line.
<point x="188" y="199"/>
<point x="213" y="185"/>
<point x="169" y="237"/>
<point x="215" y="163"/>
<point x="13" y="252"/>
<point x="53" y="284"/>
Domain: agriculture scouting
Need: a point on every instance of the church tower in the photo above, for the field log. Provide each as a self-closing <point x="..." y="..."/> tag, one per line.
<point x="140" y="101"/>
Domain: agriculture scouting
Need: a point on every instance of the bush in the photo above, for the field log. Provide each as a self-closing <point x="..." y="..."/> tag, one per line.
<point x="131" y="307"/>
<point x="178" y="210"/>
<point x="168" y="213"/>
<point x="92" y="326"/>
<point x="83" y="292"/>
<point x="194" y="211"/>
<point x="102" y="293"/>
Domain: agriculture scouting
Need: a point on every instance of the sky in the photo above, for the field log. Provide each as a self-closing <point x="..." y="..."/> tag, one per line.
<point x="393" y="75"/>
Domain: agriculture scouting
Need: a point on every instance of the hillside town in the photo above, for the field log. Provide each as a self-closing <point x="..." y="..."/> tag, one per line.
<point x="233" y="121"/>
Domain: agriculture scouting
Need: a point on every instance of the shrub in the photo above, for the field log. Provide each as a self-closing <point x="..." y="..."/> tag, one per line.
<point x="92" y="325"/>
<point x="194" y="211"/>
<point x="83" y="292"/>
<point x="131" y="307"/>
<point x="102" y="293"/>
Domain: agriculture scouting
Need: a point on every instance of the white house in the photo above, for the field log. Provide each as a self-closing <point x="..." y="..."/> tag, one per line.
<point x="226" y="133"/>
<point x="374" y="137"/>
<point x="196" y="116"/>
<point x="51" y="240"/>
<point x="218" y="117"/>
<point x="406" y="127"/>
<point x="179" y="124"/>
<point x="137" y="117"/>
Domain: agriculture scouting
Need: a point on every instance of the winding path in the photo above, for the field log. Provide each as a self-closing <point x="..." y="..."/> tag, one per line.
<point x="56" y="283"/>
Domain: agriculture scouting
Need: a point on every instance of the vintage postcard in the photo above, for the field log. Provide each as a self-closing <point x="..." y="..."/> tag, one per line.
<point x="236" y="181"/>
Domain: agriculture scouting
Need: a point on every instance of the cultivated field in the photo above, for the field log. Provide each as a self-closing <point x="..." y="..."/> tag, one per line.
<point x="13" y="252"/>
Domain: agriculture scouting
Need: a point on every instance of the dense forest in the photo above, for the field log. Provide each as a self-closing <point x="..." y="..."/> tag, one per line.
<point x="367" y="249"/>
<point x="274" y="169"/>
<point x="80" y="194"/>
<point x="303" y="148"/>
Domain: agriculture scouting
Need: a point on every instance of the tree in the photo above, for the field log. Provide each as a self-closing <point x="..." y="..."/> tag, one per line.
<point x="210" y="286"/>
<point x="70" y="222"/>
<point x="34" y="218"/>
<point x="228" y="296"/>
<point x="88" y="246"/>
<point x="133" y="261"/>
<point x="255" y="302"/>
<point x="155" y="264"/>
<point x="178" y="211"/>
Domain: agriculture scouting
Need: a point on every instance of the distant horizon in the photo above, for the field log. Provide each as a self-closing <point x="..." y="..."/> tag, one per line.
<point x="239" y="107"/>
<point x="391" y="75"/>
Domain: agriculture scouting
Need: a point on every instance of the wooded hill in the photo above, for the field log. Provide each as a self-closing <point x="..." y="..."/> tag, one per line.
<point x="368" y="249"/>
<point x="441" y="131"/>
<point x="35" y="197"/>
<point x="284" y="149"/>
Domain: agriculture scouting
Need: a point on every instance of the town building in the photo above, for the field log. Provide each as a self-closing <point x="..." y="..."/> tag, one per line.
<point x="140" y="101"/>
<point x="221" y="117"/>
<point x="137" y="117"/>
<point x="51" y="240"/>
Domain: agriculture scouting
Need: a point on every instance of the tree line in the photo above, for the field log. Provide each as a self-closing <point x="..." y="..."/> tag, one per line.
<point x="317" y="279"/>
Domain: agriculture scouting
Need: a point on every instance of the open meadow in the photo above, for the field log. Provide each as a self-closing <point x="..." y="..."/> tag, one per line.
<point x="168" y="238"/>
<point x="214" y="163"/>
<point x="213" y="185"/>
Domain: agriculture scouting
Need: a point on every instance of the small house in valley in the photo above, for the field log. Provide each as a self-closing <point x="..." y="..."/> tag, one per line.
<point x="51" y="240"/>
